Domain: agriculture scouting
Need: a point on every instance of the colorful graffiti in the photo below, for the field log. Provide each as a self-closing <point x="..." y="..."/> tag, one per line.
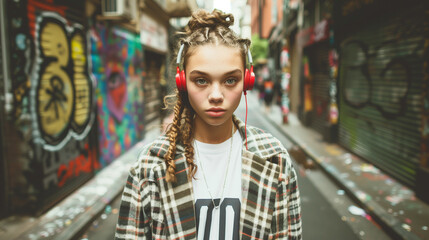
<point x="308" y="103"/>
<point x="76" y="160"/>
<point x="333" y="108"/>
<point x="20" y="53"/>
<point x="117" y="63"/>
<point x="395" y="75"/>
<point x="53" y="105"/>
<point x="83" y="163"/>
<point x="61" y="83"/>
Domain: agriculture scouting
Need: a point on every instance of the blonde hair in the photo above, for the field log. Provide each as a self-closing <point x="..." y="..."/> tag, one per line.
<point x="203" y="28"/>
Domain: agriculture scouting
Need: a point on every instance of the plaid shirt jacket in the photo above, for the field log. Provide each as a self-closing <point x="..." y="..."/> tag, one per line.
<point x="151" y="208"/>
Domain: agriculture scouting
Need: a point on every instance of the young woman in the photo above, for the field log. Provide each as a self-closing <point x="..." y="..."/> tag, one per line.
<point x="211" y="176"/>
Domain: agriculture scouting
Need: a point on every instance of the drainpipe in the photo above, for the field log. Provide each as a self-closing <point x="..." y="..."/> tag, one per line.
<point x="300" y="20"/>
<point x="285" y="14"/>
<point x="261" y="5"/>
<point x="7" y="95"/>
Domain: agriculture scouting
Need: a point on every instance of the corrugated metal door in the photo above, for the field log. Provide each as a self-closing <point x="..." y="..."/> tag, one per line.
<point x="319" y="68"/>
<point x="152" y="90"/>
<point x="381" y="79"/>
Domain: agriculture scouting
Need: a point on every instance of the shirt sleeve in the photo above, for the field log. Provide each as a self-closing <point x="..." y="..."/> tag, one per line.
<point x="286" y="223"/>
<point x="140" y="216"/>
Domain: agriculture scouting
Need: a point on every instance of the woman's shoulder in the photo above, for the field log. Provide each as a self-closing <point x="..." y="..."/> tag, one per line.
<point x="152" y="155"/>
<point x="259" y="135"/>
<point x="258" y="140"/>
<point x="264" y="142"/>
<point x="157" y="148"/>
<point x="269" y="147"/>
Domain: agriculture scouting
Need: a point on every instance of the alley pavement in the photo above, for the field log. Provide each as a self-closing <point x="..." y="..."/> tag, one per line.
<point x="390" y="204"/>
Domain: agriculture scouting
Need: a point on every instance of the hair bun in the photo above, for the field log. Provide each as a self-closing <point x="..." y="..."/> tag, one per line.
<point x="202" y="19"/>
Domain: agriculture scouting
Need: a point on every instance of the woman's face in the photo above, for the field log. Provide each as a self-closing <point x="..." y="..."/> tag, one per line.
<point x="214" y="80"/>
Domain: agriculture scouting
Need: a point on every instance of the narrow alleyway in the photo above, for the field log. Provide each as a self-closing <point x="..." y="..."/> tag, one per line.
<point x="82" y="85"/>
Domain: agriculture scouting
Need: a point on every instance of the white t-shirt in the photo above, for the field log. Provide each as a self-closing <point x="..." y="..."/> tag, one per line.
<point x="214" y="158"/>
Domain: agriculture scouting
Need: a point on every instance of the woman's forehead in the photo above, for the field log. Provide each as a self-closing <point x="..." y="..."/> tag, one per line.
<point x="215" y="54"/>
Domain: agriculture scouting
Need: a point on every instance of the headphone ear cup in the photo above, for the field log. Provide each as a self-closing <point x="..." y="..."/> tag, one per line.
<point x="246" y="80"/>
<point x="180" y="80"/>
<point x="183" y="80"/>
<point x="251" y="80"/>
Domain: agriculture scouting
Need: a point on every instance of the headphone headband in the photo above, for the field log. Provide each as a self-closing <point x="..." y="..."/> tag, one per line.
<point x="179" y="54"/>
<point x="249" y="57"/>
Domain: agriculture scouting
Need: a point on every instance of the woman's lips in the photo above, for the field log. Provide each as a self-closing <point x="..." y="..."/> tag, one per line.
<point x="216" y="112"/>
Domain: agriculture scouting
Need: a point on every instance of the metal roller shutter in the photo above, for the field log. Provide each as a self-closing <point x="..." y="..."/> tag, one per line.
<point x="152" y="90"/>
<point x="319" y="67"/>
<point x="381" y="77"/>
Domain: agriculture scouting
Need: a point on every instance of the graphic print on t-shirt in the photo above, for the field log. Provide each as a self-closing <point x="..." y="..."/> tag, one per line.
<point x="228" y="216"/>
<point x="218" y="177"/>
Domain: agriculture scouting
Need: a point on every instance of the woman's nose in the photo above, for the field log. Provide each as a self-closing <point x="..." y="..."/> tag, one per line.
<point x="216" y="94"/>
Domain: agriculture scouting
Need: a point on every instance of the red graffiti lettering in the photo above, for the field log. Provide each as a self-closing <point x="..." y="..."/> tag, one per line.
<point x="81" y="164"/>
<point x="34" y="5"/>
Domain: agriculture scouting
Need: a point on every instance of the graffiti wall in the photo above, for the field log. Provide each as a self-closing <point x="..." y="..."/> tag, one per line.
<point x="117" y="64"/>
<point x="49" y="151"/>
<point x="381" y="92"/>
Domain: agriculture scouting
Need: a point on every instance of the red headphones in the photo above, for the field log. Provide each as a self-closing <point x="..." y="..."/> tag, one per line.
<point x="249" y="76"/>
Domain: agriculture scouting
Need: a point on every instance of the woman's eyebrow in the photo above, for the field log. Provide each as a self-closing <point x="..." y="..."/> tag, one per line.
<point x="236" y="71"/>
<point x="197" y="72"/>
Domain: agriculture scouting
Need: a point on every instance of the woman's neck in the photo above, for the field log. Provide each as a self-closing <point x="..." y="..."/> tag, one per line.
<point x="212" y="134"/>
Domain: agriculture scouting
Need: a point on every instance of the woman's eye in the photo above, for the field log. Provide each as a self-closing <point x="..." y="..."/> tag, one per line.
<point x="200" y="81"/>
<point x="231" y="81"/>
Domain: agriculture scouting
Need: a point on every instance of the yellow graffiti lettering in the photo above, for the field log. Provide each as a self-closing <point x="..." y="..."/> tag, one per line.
<point x="54" y="43"/>
<point x="81" y="81"/>
<point x="55" y="90"/>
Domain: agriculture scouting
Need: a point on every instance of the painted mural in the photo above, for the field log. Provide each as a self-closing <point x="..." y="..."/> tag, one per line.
<point x="117" y="64"/>
<point x="52" y="113"/>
